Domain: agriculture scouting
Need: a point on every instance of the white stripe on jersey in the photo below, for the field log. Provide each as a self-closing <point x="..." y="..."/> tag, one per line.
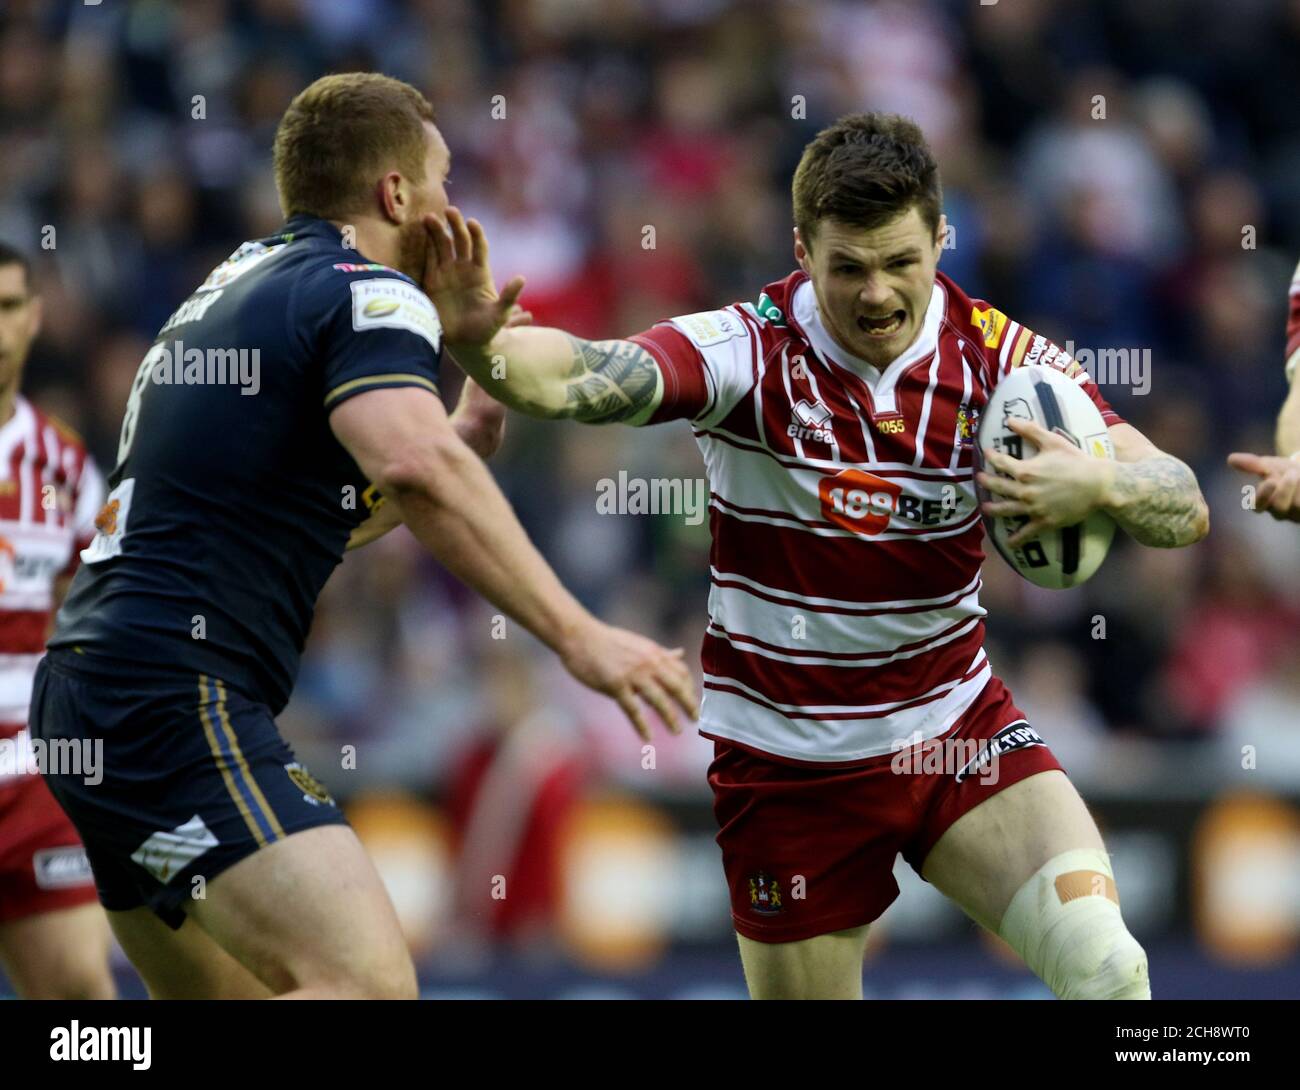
<point x="52" y="453"/>
<point x="1008" y="343"/>
<point x="802" y="711"/>
<point x="743" y="613"/>
<point x="925" y="411"/>
<point x="789" y="394"/>
<point x="843" y="605"/>
<point x="760" y="363"/>
<point x="758" y="723"/>
<point x="27" y="469"/>
<point x="965" y="402"/>
<point x="866" y="429"/>
<point x="810" y="658"/>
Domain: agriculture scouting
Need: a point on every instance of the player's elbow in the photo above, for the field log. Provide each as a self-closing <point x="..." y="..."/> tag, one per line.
<point x="423" y="471"/>
<point x="1201" y="523"/>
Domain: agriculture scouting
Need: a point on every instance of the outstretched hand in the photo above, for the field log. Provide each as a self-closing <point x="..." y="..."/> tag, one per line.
<point x="1278" y="492"/>
<point x="458" y="279"/>
<point x="633" y="669"/>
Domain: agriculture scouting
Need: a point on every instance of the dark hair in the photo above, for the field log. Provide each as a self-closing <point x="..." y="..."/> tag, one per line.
<point x="11" y="255"/>
<point x="865" y="170"/>
<point x="340" y="133"/>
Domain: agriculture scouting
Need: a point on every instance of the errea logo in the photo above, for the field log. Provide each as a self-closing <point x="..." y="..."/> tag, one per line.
<point x="810" y="421"/>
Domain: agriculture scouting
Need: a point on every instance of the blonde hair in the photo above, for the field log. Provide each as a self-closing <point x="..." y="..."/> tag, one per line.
<point x="342" y="131"/>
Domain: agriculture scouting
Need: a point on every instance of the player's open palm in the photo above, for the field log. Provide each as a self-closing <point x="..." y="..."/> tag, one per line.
<point x="631" y="669"/>
<point x="1278" y="491"/>
<point x="458" y="279"/>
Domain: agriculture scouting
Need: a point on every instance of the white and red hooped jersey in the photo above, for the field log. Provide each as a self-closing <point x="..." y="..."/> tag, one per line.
<point x="50" y="492"/>
<point x="844" y="615"/>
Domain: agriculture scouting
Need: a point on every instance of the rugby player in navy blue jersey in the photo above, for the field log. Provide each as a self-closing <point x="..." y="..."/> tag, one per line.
<point x="289" y="409"/>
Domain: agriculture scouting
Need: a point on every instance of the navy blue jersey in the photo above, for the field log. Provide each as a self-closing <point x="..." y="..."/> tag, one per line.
<point x="232" y="501"/>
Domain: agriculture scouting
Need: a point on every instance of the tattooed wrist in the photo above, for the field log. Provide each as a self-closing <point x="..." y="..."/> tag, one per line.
<point x="1158" y="501"/>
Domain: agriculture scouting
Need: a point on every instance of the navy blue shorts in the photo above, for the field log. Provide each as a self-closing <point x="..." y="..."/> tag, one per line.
<point x="181" y="777"/>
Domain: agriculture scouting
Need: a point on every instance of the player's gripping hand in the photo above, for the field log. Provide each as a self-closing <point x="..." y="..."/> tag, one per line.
<point x="459" y="281"/>
<point x="631" y="669"/>
<point x="479" y="420"/>
<point x="1279" y="488"/>
<point x="1058" y="486"/>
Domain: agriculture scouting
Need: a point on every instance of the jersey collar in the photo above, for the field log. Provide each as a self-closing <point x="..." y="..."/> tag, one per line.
<point x="302" y="225"/>
<point x="804" y="309"/>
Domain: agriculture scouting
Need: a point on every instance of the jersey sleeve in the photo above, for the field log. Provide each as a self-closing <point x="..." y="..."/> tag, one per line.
<point x="1007" y="344"/>
<point x="1293" y="327"/>
<point x="369" y="332"/>
<point x="708" y="361"/>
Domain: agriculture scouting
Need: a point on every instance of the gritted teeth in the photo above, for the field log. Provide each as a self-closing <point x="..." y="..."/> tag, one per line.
<point x="883" y="325"/>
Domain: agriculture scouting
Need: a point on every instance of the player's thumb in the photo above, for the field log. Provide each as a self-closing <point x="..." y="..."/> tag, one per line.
<point x="510" y="294"/>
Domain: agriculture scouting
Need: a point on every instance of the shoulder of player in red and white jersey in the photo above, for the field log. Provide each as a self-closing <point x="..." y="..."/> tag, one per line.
<point x="685" y="345"/>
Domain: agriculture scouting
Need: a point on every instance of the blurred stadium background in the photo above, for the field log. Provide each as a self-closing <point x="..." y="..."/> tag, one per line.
<point x="140" y="131"/>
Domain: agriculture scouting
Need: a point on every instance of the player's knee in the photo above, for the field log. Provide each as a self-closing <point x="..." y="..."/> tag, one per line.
<point x="826" y="966"/>
<point x="69" y="980"/>
<point x="93" y="983"/>
<point x="396" y="981"/>
<point x="1115" y="969"/>
<point x="391" y="977"/>
<point x="1066" y="923"/>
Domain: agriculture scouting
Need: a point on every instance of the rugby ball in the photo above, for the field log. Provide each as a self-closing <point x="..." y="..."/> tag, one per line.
<point x="1070" y="555"/>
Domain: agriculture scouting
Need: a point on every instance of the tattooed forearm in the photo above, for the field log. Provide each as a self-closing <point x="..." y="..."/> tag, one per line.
<point x="608" y="381"/>
<point x="1158" y="501"/>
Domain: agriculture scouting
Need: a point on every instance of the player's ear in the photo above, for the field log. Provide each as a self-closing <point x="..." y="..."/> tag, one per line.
<point x="392" y="197"/>
<point x="940" y="233"/>
<point x="801" y="254"/>
<point x="37" y="315"/>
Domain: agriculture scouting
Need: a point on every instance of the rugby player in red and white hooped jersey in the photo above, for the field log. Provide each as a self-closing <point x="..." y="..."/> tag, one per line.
<point x="836" y="416"/>
<point x="53" y="934"/>
<point x="1278" y="492"/>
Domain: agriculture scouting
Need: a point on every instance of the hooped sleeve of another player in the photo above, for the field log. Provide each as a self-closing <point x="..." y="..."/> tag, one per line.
<point x="370" y="331"/>
<point x="708" y="361"/>
<point x="1007" y="344"/>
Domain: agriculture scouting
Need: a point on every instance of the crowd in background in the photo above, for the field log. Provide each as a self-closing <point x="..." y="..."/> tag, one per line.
<point x="1119" y="176"/>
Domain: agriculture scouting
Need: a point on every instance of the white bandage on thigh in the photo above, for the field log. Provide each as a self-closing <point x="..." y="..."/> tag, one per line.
<point x="1065" y="922"/>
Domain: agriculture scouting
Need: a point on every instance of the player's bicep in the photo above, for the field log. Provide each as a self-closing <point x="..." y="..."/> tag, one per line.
<point x="389" y="432"/>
